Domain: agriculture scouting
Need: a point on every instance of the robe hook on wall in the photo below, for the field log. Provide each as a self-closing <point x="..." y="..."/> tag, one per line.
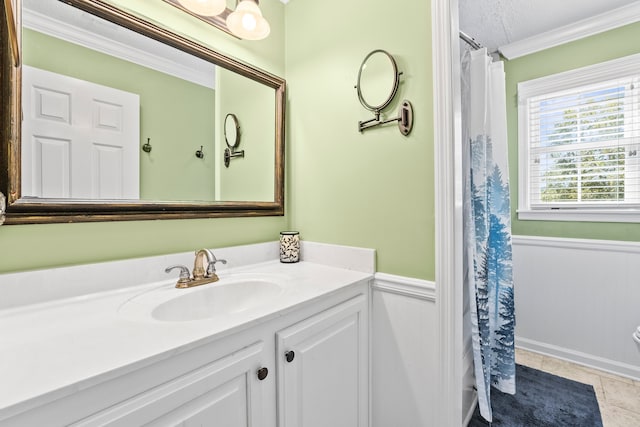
<point x="200" y="153"/>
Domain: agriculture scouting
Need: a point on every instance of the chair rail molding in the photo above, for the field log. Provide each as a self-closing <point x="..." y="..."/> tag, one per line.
<point x="406" y="286"/>
<point x="579" y="244"/>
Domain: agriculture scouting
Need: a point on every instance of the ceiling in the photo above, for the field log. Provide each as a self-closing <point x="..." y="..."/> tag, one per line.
<point x="495" y="23"/>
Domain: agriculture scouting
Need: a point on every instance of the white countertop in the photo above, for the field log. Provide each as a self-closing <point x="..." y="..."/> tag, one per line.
<point x="52" y="349"/>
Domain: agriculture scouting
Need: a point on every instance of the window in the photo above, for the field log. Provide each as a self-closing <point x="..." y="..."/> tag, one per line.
<point x="579" y="144"/>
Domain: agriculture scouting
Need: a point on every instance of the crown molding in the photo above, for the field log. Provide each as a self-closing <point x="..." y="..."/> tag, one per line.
<point x="131" y="47"/>
<point x="587" y="27"/>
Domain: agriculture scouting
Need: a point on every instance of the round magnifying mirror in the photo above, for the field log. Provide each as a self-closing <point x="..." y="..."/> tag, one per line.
<point x="378" y="80"/>
<point x="231" y="131"/>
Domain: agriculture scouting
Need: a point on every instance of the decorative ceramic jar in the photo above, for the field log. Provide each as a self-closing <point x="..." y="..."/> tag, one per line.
<point x="289" y="246"/>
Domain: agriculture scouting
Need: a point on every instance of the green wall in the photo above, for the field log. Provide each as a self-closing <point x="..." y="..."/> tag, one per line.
<point x="26" y="247"/>
<point x="169" y="108"/>
<point x="250" y="177"/>
<point x="606" y="46"/>
<point x="373" y="189"/>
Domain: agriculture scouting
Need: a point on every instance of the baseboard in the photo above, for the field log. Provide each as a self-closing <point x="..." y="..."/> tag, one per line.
<point x="590" y="361"/>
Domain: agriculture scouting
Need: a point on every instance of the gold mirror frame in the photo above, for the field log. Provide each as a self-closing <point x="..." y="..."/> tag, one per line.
<point x="20" y="211"/>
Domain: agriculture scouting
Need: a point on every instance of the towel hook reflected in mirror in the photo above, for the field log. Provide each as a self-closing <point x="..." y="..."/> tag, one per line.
<point x="200" y="153"/>
<point x="377" y="86"/>
<point x="232" y="138"/>
<point x="147" y="146"/>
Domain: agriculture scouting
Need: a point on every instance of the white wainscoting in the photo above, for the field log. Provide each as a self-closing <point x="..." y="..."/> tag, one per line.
<point x="404" y="371"/>
<point x="579" y="300"/>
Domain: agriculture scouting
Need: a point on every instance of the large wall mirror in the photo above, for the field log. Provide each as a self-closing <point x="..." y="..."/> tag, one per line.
<point x="107" y="110"/>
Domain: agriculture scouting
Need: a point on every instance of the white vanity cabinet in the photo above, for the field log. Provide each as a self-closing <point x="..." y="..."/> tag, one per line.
<point x="323" y="369"/>
<point x="223" y="383"/>
<point x="239" y="378"/>
<point x="228" y="392"/>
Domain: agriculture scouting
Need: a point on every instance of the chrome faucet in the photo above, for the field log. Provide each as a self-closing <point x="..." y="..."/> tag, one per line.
<point x="202" y="274"/>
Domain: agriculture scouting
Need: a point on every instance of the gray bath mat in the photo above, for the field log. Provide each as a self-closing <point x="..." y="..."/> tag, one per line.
<point x="542" y="400"/>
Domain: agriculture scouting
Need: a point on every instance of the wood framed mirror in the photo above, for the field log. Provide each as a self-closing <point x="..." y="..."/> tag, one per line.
<point x="37" y="203"/>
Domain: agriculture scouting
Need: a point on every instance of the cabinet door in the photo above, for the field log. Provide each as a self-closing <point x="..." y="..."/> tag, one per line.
<point x="224" y="393"/>
<point x="323" y="369"/>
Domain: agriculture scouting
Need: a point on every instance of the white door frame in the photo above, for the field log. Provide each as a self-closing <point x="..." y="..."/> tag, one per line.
<point x="448" y="191"/>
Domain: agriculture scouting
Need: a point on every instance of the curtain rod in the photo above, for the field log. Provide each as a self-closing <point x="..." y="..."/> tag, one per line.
<point x="470" y="41"/>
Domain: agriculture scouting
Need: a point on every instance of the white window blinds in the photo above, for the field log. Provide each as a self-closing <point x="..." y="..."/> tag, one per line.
<point x="583" y="145"/>
<point x="580" y="132"/>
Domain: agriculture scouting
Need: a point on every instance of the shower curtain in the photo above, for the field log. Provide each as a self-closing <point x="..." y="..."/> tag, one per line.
<point x="487" y="225"/>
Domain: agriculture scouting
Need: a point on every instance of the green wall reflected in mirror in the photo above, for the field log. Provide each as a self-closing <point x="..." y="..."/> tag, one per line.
<point x="177" y="117"/>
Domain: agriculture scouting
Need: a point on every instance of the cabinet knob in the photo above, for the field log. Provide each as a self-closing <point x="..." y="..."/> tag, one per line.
<point x="262" y="373"/>
<point x="289" y="356"/>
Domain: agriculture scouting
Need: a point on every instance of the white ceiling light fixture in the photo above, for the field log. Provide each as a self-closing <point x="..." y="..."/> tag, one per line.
<point x="205" y="7"/>
<point x="247" y="21"/>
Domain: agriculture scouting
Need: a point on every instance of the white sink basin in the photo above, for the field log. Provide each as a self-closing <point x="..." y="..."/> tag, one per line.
<point x="222" y="298"/>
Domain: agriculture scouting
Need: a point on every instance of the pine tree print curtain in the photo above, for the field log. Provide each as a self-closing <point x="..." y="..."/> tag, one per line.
<point x="487" y="225"/>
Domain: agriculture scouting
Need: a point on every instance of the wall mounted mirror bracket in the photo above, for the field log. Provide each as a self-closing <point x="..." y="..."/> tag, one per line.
<point x="231" y="138"/>
<point x="377" y="86"/>
<point x="229" y="154"/>
<point x="404" y="119"/>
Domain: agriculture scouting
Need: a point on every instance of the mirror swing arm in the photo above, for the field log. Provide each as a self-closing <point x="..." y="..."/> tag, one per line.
<point x="230" y="152"/>
<point x="404" y="119"/>
<point x="21" y="210"/>
<point x="405" y="112"/>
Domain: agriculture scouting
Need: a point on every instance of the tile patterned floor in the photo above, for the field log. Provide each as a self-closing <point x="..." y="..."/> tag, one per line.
<point x="618" y="397"/>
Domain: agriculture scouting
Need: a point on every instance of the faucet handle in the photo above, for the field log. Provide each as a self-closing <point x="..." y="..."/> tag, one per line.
<point x="211" y="267"/>
<point x="185" y="276"/>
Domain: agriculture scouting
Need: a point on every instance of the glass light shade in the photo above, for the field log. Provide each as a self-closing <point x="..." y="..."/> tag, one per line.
<point x="205" y="7"/>
<point x="247" y="21"/>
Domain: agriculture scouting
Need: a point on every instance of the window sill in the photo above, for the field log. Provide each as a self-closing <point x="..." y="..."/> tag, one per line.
<point x="587" y="215"/>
